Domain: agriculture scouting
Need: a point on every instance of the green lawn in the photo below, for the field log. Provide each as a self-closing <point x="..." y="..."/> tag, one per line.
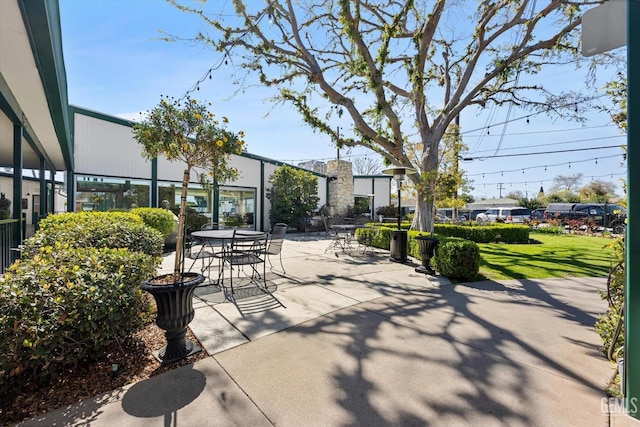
<point x="553" y="256"/>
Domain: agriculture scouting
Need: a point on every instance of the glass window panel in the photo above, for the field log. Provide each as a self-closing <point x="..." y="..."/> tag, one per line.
<point x="95" y="193"/>
<point x="199" y="202"/>
<point x="237" y="208"/>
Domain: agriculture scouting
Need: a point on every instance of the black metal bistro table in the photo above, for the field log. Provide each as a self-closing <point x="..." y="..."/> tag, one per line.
<point x="344" y="235"/>
<point x="210" y="237"/>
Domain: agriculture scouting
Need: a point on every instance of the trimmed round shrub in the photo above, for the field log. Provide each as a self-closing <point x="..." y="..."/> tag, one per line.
<point x="96" y="230"/>
<point x="65" y="304"/>
<point x="156" y="218"/>
<point x="457" y="259"/>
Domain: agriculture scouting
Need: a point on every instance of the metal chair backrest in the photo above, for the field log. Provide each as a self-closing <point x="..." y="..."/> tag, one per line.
<point x="247" y="248"/>
<point x="277" y="238"/>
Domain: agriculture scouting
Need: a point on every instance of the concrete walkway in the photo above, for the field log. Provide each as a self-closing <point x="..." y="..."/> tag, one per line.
<point x="357" y="340"/>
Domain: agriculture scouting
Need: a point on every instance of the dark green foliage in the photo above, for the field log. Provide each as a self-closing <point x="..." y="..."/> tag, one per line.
<point x="97" y="230"/>
<point x="64" y="304"/>
<point x="5" y="205"/>
<point x="157" y="218"/>
<point x="293" y="196"/>
<point x="378" y="237"/>
<point x="607" y="323"/>
<point x="193" y="220"/>
<point x="360" y="206"/>
<point x="457" y="259"/>
<point x="494" y="233"/>
<point x="387" y="211"/>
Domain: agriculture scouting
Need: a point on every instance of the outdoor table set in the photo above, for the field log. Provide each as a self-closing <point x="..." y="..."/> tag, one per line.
<point x="343" y="237"/>
<point x="243" y="252"/>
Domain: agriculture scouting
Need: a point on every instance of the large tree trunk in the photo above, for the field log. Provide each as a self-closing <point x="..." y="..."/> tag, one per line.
<point x="425" y="186"/>
<point x="423" y="218"/>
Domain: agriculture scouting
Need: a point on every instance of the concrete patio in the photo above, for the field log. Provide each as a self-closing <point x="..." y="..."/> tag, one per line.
<point x="364" y="341"/>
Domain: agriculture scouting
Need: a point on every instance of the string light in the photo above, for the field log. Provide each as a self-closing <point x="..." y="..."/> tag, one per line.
<point x="541" y="166"/>
<point x="552" y="108"/>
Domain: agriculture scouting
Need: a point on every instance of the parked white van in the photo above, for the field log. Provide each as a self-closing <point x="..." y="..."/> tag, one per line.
<point x="515" y="215"/>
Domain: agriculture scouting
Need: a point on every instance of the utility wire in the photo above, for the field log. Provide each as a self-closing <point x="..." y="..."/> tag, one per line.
<point x="555" y="143"/>
<point x="542" y="152"/>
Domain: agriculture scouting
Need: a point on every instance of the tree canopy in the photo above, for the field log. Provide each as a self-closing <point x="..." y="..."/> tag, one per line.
<point x="401" y="71"/>
<point x="186" y="131"/>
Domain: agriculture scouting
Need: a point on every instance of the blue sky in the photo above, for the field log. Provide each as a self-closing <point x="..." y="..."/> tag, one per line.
<point x="117" y="65"/>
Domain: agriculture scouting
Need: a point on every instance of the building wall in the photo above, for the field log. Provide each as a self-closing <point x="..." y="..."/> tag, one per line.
<point x="105" y="147"/>
<point x="379" y="186"/>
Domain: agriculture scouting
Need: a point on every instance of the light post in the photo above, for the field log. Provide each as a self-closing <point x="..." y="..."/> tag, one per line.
<point x="398" y="244"/>
<point x="371" y="214"/>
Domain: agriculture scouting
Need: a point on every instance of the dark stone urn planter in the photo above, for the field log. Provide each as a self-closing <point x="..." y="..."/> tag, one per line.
<point x="426" y="247"/>
<point x="175" y="312"/>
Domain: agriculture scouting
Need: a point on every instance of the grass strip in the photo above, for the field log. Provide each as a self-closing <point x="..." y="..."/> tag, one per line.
<point x="549" y="256"/>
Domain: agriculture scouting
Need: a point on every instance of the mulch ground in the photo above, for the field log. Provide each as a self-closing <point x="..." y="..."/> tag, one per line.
<point x="134" y="360"/>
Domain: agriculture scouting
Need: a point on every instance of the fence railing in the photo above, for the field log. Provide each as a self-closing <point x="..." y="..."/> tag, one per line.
<point x="10" y="230"/>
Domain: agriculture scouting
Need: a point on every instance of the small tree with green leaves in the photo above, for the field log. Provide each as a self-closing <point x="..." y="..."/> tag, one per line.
<point x="186" y="131"/>
<point x="293" y="194"/>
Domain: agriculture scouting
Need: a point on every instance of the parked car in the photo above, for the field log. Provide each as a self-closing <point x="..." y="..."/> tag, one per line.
<point x="474" y="213"/>
<point x="538" y="213"/>
<point x="515" y="215"/>
<point x="447" y="214"/>
<point x="589" y="213"/>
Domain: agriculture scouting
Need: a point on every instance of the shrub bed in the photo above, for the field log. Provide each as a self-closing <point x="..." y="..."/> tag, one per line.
<point x="97" y="230"/>
<point x="455" y="258"/>
<point x="64" y="304"/>
<point x="156" y="218"/>
<point x="552" y="229"/>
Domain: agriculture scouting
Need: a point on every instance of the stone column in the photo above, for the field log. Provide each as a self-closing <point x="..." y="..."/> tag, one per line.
<point x="340" y="186"/>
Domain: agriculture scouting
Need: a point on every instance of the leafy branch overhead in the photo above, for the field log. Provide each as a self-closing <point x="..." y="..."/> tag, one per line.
<point x="401" y="71"/>
<point x="187" y="132"/>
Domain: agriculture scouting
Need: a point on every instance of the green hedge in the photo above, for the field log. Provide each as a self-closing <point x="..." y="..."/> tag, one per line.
<point x="457" y="259"/>
<point x="156" y="218"/>
<point x="97" y="230"/>
<point x="552" y="229"/>
<point x="494" y="233"/>
<point x="65" y="304"/>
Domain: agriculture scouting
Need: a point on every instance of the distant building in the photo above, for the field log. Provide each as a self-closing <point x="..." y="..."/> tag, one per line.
<point x="314" y="165"/>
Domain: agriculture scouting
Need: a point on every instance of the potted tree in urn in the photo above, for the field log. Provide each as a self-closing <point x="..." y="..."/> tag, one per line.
<point x="184" y="131"/>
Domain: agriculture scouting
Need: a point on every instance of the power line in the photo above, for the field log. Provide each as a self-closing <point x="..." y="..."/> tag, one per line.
<point x="548" y="130"/>
<point x="542" y="152"/>
<point x="555" y="143"/>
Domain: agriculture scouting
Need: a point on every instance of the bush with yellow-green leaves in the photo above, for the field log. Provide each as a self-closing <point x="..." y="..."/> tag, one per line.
<point x="65" y="304"/>
<point x="75" y="290"/>
<point x="96" y="230"/>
